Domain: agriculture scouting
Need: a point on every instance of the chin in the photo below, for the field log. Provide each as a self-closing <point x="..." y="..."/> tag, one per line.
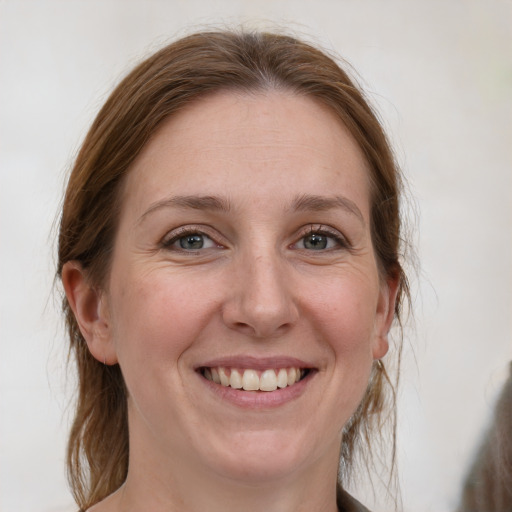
<point x="259" y="457"/>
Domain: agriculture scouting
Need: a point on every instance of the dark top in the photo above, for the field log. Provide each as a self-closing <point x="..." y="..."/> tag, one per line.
<point x="344" y="501"/>
<point x="347" y="503"/>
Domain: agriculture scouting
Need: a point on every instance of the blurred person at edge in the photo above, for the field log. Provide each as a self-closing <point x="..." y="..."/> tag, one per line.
<point x="229" y="249"/>
<point x="488" y="485"/>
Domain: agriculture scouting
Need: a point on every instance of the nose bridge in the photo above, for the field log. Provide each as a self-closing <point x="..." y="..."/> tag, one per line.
<point x="263" y="304"/>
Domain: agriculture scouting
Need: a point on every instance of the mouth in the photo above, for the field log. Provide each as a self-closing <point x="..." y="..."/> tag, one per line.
<point x="250" y="379"/>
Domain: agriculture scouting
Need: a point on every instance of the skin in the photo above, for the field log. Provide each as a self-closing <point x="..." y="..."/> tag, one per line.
<point x="257" y="289"/>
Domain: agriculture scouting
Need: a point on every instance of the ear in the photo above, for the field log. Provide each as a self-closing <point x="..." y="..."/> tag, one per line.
<point x="385" y="315"/>
<point x="90" y="308"/>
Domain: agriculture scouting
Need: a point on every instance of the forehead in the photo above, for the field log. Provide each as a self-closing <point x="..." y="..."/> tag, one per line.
<point x="232" y="143"/>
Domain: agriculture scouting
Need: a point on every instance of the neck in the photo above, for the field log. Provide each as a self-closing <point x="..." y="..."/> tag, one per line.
<point x="187" y="487"/>
<point x="227" y="497"/>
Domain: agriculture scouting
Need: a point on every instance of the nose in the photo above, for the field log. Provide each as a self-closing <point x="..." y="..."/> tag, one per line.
<point x="261" y="303"/>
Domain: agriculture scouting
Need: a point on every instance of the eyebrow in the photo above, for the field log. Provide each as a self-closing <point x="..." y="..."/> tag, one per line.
<point x="307" y="202"/>
<point x="189" y="202"/>
<point x="302" y="203"/>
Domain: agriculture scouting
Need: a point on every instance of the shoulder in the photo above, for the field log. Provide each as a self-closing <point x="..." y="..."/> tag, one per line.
<point x="347" y="503"/>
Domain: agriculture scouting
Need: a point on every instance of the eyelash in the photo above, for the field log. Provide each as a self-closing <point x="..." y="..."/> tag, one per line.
<point x="323" y="231"/>
<point x="320" y="230"/>
<point x="183" y="232"/>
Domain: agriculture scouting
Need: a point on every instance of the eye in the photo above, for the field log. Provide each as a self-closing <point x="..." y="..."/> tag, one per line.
<point x="321" y="240"/>
<point x="189" y="240"/>
<point x="317" y="242"/>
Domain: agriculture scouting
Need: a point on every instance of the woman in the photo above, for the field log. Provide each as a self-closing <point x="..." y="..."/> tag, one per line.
<point x="229" y="250"/>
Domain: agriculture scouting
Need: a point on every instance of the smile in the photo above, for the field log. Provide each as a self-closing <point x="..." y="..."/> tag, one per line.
<point x="254" y="380"/>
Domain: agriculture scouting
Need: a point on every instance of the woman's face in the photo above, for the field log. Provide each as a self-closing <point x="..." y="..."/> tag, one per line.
<point x="244" y="250"/>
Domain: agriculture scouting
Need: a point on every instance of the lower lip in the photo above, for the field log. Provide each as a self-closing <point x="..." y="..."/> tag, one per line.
<point x="260" y="399"/>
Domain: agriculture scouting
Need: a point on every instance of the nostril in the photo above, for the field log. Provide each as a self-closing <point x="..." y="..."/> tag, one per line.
<point x="243" y="327"/>
<point x="260" y="330"/>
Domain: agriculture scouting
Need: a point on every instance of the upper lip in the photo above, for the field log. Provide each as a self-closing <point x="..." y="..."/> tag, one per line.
<point x="255" y="363"/>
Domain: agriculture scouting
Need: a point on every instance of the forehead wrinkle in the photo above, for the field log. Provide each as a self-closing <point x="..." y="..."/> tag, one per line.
<point x="308" y="202"/>
<point x="192" y="202"/>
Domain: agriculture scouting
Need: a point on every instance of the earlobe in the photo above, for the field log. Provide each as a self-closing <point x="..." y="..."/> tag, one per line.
<point x="91" y="312"/>
<point x="385" y="315"/>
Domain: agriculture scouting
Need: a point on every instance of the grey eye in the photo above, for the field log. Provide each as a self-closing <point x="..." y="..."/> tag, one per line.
<point x="192" y="242"/>
<point x="315" y="241"/>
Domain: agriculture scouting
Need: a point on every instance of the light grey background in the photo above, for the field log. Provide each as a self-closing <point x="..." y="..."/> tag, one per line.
<point x="440" y="72"/>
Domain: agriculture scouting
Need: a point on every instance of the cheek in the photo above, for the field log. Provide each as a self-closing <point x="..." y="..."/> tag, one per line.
<point x="346" y="314"/>
<point x="157" y="317"/>
<point x="345" y="319"/>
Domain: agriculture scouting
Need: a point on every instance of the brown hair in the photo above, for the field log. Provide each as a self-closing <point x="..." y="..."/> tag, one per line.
<point x="166" y="82"/>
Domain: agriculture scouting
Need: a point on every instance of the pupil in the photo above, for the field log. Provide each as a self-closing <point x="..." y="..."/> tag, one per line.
<point x="315" y="242"/>
<point x="191" y="242"/>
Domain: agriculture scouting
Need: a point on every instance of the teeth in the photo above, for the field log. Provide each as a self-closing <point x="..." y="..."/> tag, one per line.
<point x="215" y="376"/>
<point x="224" y="379"/>
<point x="253" y="380"/>
<point x="282" y="378"/>
<point x="235" y="380"/>
<point x="250" y="381"/>
<point x="292" y="375"/>
<point x="268" y="380"/>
